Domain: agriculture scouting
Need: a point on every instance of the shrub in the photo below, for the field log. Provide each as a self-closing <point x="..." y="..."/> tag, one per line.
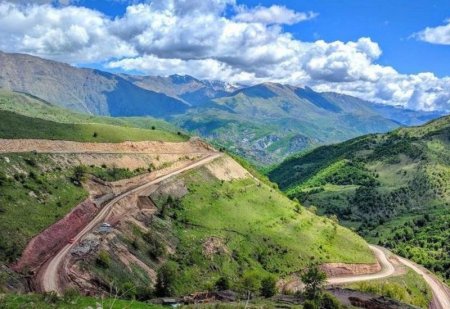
<point x="157" y="248"/>
<point x="30" y="161"/>
<point x="50" y="297"/>
<point x="3" y="178"/>
<point x="328" y="301"/>
<point x="103" y="260"/>
<point x="251" y="282"/>
<point x="166" y="278"/>
<point x="222" y="284"/>
<point x="79" y="174"/>
<point x="70" y="294"/>
<point x="310" y="304"/>
<point x="128" y="290"/>
<point x="268" y="286"/>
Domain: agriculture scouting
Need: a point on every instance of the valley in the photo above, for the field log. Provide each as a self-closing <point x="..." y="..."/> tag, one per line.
<point x="178" y="203"/>
<point x="264" y="123"/>
<point x="392" y="189"/>
<point x="144" y="200"/>
<point x="224" y="154"/>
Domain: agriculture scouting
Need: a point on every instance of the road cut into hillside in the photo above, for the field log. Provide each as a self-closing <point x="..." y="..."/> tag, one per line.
<point x="51" y="273"/>
<point x="441" y="293"/>
<point x="194" y="145"/>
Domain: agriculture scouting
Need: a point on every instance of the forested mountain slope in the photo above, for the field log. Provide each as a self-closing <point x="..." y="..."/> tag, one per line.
<point x="392" y="188"/>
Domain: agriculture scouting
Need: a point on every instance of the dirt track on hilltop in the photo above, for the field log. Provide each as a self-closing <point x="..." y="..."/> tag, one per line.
<point x="57" y="146"/>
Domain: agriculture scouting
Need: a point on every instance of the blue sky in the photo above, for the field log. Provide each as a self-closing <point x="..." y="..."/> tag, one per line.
<point x="393" y="52"/>
<point x="388" y="22"/>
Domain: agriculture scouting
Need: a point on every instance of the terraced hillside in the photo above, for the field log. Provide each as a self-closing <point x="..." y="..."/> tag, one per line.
<point x="394" y="189"/>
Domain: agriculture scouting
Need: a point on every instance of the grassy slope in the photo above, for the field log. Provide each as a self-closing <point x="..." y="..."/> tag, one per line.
<point x="37" y="301"/>
<point x="23" y="116"/>
<point x="408" y="288"/>
<point x="34" y="193"/>
<point x="393" y="188"/>
<point x="13" y="125"/>
<point x="261" y="231"/>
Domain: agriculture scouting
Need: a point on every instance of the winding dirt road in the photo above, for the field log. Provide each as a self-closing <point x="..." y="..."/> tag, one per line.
<point x="49" y="276"/>
<point x="387" y="269"/>
<point x="441" y="294"/>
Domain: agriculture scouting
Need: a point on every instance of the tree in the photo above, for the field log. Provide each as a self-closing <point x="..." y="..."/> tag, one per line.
<point x="165" y="279"/>
<point x="313" y="278"/>
<point x="268" y="286"/>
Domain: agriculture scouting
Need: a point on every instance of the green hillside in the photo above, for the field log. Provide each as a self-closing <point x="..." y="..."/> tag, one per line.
<point x="22" y="116"/>
<point x="35" y="192"/>
<point x="268" y="122"/>
<point x="394" y="189"/>
<point x="34" y="107"/>
<point x="237" y="230"/>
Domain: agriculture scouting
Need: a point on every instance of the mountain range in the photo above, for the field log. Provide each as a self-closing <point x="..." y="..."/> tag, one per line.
<point x="264" y="123"/>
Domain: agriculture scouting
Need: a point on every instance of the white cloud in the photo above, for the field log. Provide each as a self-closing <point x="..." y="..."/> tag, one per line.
<point x="72" y="34"/>
<point x="436" y="35"/>
<point x="215" y="39"/>
<point x="275" y="14"/>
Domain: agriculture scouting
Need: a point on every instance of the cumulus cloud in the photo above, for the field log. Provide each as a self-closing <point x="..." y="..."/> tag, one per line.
<point x="72" y="34"/>
<point x="275" y="14"/>
<point x="436" y="35"/>
<point x="216" y="39"/>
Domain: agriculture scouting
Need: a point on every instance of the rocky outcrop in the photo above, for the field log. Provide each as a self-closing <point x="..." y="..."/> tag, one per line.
<point x="342" y="269"/>
<point x="55" y="237"/>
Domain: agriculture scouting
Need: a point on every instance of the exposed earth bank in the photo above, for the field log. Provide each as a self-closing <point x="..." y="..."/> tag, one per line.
<point x="52" y="239"/>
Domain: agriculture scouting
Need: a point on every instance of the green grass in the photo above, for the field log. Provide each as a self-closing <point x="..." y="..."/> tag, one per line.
<point x="394" y="189"/>
<point x="13" y="125"/>
<point x="37" y="301"/>
<point x="408" y="288"/>
<point x="115" y="173"/>
<point x="261" y="232"/>
<point x="34" y="193"/>
<point x="30" y="106"/>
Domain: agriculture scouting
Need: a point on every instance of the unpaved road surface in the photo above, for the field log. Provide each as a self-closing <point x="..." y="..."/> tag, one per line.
<point x="387" y="269"/>
<point x="441" y="293"/>
<point x="57" y="146"/>
<point x="50" y="273"/>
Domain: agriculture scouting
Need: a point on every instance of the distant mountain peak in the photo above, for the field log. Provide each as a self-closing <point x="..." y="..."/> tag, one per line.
<point x="181" y="79"/>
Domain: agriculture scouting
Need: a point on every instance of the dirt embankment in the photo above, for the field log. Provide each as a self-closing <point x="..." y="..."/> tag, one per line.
<point x="56" y="146"/>
<point x="342" y="269"/>
<point x="227" y="169"/>
<point x="52" y="239"/>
